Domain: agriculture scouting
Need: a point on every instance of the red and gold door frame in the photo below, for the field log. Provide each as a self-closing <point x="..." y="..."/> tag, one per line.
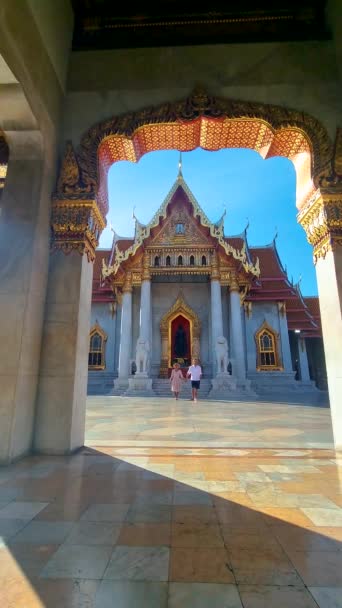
<point x="179" y="313"/>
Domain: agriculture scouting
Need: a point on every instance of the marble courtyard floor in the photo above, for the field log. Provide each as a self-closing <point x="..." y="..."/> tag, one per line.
<point x="164" y="520"/>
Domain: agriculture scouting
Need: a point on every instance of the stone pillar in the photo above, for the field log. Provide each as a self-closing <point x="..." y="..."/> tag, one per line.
<point x="126" y="330"/>
<point x="286" y="359"/>
<point x="322" y="221"/>
<point x="303" y="361"/>
<point x="237" y="332"/>
<point x="76" y="223"/>
<point x="24" y="252"/>
<point x="216" y="309"/>
<point x="145" y="301"/>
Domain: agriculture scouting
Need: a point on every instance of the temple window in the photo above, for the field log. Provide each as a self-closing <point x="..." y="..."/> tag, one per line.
<point x="180" y="228"/>
<point x="204" y="260"/>
<point x="168" y="260"/>
<point x="192" y="260"/>
<point x="180" y="260"/>
<point x="97" y="339"/>
<point x="156" y="260"/>
<point x="267" y="353"/>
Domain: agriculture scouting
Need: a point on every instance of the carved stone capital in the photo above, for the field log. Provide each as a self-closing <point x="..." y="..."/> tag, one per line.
<point x="76" y="226"/>
<point x="146" y="274"/>
<point x="322" y="222"/>
<point x="234" y="284"/>
<point x="73" y="182"/>
<point x="127" y="286"/>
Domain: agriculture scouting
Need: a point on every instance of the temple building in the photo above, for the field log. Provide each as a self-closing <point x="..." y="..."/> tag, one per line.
<point x="180" y="289"/>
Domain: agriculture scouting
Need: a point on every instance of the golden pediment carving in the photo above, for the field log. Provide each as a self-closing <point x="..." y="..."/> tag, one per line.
<point x="179" y="229"/>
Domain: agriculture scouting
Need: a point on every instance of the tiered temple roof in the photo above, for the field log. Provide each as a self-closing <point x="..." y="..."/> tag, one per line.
<point x="269" y="285"/>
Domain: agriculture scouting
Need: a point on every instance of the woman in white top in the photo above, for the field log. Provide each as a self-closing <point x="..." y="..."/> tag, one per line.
<point x="195" y="373"/>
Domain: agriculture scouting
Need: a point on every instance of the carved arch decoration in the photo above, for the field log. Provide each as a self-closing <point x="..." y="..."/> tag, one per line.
<point x="213" y="123"/>
<point x="97" y="348"/>
<point x="267" y="348"/>
<point x="180" y="307"/>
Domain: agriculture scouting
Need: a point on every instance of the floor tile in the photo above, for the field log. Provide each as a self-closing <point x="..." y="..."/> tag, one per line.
<point x="269" y="567"/>
<point x="324" y="517"/>
<point x="138" y="563"/>
<point x="318" y="568"/>
<point x="194" y="514"/>
<point x="200" y="565"/>
<point x="192" y="497"/>
<point x="145" y="534"/>
<point x="44" y="532"/>
<point x="203" y="595"/>
<point x="78" y="561"/>
<point x="261" y="596"/>
<point x="114" y="594"/>
<point x="93" y="533"/>
<point x="64" y="511"/>
<point x="113" y="512"/>
<point x="9" y="528"/>
<point x="22" y="510"/>
<point x="327" y="597"/>
<point x="200" y="535"/>
<point x="149" y="514"/>
<point x="67" y="593"/>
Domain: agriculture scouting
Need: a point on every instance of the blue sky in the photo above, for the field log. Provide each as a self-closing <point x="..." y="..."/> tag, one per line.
<point x="262" y="191"/>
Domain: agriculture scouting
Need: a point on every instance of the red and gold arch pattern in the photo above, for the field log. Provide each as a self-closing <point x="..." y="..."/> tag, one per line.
<point x="209" y="134"/>
<point x="213" y="124"/>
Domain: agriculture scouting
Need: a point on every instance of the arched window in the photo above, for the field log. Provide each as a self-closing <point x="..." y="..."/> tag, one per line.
<point x="156" y="260"/>
<point x="267" y="351"/>
<point x="97" y="339"/>
<point x="180" y="260"/>
<point x="168" y="260"/>
<point x="204" y="260"/>
<point x="192" y="260"/>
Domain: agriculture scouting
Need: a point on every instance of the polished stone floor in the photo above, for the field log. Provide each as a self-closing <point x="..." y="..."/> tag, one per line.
<point x="137" y="526"/>
<point x="121" y="421"/>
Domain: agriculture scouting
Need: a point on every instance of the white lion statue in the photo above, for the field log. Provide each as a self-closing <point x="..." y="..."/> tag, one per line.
<point x="221" y="349"/>
<point x="142" y="355"/>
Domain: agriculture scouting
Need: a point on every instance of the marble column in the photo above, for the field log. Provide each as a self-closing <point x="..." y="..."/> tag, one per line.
<point x="216" y="310"/>
<point x="321" y="219"/>
<point x="329" y="280"/>
<point x="286" y="359"/>
<point x="237" y="333"/>
<point x="126" y="330"/>
<point x="303" y="361"/>
<point x="145" y="302"/>
<point x="24" y="253"/>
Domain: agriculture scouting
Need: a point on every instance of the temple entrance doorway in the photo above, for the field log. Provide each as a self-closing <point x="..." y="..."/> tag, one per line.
<point x="180" y="343"/>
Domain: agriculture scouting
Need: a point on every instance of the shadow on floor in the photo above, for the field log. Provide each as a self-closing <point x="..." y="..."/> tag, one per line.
<point x="162" y="529"/>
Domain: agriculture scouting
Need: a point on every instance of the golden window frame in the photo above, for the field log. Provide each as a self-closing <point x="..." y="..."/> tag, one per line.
<point x="97" y="329"/>
<point x="273" y="351"/>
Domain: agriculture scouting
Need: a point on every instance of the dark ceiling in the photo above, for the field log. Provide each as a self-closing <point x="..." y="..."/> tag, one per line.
<point x="105" y="24"/>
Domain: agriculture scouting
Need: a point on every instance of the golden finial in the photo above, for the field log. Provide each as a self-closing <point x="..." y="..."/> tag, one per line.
<point x="133" y="214"/>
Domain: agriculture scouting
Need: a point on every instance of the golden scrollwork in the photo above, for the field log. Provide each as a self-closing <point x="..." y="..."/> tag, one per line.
<point x="76" y="226"/>
<point x="322" y="222"/>
<point x="72" y="182"/>
<point x="180" y="307"/>
<point x="330" y="177"/>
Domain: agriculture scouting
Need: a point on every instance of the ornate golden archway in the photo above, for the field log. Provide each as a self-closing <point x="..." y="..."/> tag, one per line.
<point x="201" y="120"/>
<point x="180" y="307"/>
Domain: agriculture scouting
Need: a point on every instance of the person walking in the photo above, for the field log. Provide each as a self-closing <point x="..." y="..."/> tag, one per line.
<point x="176" y="380"/>
<point x="195" y="373"/>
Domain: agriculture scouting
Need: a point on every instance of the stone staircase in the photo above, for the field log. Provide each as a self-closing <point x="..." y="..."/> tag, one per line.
<point x="161" y="387"/>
